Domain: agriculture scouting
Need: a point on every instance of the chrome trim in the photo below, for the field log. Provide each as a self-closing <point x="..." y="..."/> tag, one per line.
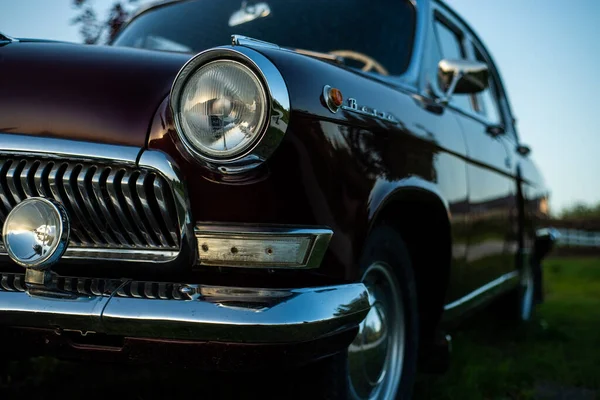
<point x="55" y="234"/>
<point x="240" y="40"/>
<point x="277" y="118"/>
<point x="328" y="100"/>
<point x="116" y="254"/>
<point x="111" y="183"/>
<point x="551" y="234"/>
<point x="319" y="237"/>
<point x="5" y="39"/>
<point x="66" y="148"/>
<point x="144" y="200"/>
<point x="480" y="295"/>
<point x="46" y="166"/>
<point x="353" y="107"/>
<point x="186" y="311"/>
<point x="166" y="167"/>
<point x="466" y="75"/>
<point x="70" y="183"/>
<point x="97" y="184"/>
<point x="376" y="356"/>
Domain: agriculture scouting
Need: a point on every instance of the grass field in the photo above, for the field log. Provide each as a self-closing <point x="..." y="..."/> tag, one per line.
<point x="556" y="357"/>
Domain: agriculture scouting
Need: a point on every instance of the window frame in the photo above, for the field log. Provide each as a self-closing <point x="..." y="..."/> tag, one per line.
<point x="439" y="17"/>
<point x="499" y="92"/>
<point x="469" y="41"/>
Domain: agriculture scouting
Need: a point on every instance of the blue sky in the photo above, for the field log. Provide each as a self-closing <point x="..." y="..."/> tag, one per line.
<point x="548" y="52"/>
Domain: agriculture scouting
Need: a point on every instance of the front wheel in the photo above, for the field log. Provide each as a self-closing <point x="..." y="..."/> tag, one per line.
<point x="381" y="362"/>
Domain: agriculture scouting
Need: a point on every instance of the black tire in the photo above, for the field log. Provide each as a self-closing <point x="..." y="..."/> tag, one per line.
<point x="384" y="245"/>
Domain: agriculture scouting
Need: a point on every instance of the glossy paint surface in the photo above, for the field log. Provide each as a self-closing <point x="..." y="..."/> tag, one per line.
<point x="337" y="169"/>
<point x="96" y="93"/>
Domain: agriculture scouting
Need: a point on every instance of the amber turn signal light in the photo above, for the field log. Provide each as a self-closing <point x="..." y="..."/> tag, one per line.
<point x="333" y="98"/>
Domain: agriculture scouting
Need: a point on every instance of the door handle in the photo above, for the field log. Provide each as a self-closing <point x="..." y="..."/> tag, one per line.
<point x="495" y="130"/>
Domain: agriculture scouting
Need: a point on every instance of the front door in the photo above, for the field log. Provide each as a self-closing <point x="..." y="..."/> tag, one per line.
<point x="492" y="244"/>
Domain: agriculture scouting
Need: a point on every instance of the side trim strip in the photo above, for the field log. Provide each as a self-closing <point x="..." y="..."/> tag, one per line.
<point x="479" y="296"/>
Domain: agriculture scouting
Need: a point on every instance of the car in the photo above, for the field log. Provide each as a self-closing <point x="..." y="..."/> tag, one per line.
<point x="301" y="185"/>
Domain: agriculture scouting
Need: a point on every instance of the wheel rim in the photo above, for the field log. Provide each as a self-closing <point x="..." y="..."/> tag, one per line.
<point x="527" y="299"/>
<point x="376" y="355"/>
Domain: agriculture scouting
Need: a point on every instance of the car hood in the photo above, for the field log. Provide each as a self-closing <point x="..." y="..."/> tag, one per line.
<point x="92" y="93"/>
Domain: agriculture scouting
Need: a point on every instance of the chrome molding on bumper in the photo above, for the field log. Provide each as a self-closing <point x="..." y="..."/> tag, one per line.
<point x="182" y="311"/>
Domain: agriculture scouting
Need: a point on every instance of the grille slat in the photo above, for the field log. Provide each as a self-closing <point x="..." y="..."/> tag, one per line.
<point x="97" y="183"/>
<point x="112" y="181"/>
<point x="40" y="178"/>
<point x="141" y="185"/>
<point x="126" y="182"/>
<point x="109" y="207"/>
<point x="26" y="173"/>
<point x="83" y="183"/>
<point x="69" y="182"/>
<point x="55" y="183"/>
<point x="160" y="195"/>
<point x="14" y="183"/>
<point x="5" y="192"/>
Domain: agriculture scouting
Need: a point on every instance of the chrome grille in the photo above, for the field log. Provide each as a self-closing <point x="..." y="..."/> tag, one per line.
<point x="10" y="282"/>
<point x="110" y="206"/>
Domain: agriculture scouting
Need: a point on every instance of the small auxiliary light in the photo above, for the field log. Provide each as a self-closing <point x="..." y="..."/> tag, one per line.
<point x="333" y="98"/>
<point x="254" y="246"/>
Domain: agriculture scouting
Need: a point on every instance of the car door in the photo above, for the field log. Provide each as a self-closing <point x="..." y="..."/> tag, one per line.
<point x="492" y="245"/>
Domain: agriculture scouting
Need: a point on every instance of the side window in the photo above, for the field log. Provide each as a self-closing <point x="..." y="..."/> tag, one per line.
<point x="488" y="99"/>
<point x="450" y="47"/>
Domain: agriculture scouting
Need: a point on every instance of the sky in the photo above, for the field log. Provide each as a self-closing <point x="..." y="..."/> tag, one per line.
<point x="548" y="53"/>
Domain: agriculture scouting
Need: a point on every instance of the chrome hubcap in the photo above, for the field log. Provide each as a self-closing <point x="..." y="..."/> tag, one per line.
<point x="527" y="300"/>
<point x="376" y="355"/>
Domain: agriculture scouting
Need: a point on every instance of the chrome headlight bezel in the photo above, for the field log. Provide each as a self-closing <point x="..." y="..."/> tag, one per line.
<point x="277" y="115"/>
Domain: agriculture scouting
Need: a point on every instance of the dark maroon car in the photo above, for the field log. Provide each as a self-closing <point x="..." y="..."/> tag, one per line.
<point x="284" y="184"/>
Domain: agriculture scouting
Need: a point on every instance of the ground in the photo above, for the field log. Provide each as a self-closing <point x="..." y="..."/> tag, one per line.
<point x="555" y="357"/>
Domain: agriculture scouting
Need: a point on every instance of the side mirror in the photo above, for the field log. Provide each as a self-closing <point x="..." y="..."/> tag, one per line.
<point x="461" y="76"/>
<point x="249" y="13"/>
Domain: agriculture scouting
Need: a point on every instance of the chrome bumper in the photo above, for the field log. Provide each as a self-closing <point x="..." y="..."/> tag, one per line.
<point x="181" y="311"/>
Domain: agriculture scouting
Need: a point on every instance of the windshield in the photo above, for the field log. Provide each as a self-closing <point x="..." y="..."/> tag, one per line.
<point x="379" y="31"/>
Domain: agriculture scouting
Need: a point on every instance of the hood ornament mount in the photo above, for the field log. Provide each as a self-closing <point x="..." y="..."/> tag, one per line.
<point x="36" y="235"/>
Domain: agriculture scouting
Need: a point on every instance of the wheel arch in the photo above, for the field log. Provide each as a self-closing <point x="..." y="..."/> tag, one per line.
<point x="419" y="213"/>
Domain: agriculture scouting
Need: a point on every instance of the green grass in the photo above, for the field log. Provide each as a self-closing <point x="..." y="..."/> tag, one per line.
<point x="560" y="348"/>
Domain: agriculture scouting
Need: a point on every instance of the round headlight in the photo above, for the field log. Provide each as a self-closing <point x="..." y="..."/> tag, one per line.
<point x="222" y="109"/>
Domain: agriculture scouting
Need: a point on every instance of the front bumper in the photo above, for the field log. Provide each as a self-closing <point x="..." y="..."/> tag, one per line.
<point x="183" y="311"/>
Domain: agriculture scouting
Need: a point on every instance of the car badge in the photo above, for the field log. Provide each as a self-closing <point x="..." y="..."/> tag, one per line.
<point x="333" y="101"/>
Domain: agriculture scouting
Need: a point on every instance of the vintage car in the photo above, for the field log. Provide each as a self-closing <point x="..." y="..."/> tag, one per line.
<point x="275" y="184"/>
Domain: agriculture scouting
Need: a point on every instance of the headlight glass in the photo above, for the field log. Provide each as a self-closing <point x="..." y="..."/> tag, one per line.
<point x="222" y="109"/>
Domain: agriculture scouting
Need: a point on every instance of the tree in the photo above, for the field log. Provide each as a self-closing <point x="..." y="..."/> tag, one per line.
<point x="95" y="30"/>
<point x="581" y="211"/>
